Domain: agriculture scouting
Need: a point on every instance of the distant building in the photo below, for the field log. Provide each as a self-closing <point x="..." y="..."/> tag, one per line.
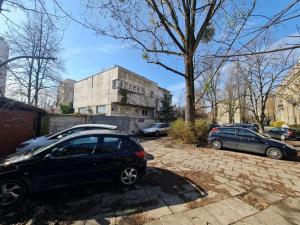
<point x="66" y="91"/>
<point x="232" y="112"/>
<point x="118" y="92"/>
<point x="4" y="51"/>
<point x="287" y="97"/>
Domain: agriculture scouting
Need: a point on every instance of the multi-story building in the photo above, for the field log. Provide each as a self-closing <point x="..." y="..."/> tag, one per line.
<point x="118" y="92"/>
<point x="287" y="97"/>
<point x="66" y="91"/>
<point x="4" y="50"/>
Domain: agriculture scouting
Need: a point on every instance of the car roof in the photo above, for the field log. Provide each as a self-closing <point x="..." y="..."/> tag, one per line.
<point x="97" y="132"/>
<point x="106" y="126"/>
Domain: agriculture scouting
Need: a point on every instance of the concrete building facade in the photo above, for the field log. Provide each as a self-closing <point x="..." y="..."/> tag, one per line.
<point x="118" y="92"/>
<point x="287" y="97"/>
<point x="4" y="51"/>
<point x="66" y="91"/>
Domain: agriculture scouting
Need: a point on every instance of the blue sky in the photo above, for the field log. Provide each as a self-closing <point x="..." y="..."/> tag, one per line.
<point x="86" y="54"/>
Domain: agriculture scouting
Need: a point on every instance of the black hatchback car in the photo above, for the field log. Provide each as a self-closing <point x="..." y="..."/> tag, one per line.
<point x="246" y="140"/>
<point x="84" y="157"/>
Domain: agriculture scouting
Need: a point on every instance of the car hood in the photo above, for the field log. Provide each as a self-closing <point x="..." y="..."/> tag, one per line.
<point x="16" y="158"/>
<point x="150" y="129"/>
<point x="276" y="142"/>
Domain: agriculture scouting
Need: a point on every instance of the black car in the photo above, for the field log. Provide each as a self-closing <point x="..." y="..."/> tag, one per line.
<point x="283" y="133"/>
<point x="246" y="140"/>
<point x="85" y="157"/>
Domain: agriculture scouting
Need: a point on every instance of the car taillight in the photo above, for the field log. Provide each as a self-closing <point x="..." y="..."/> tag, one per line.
<point x="290" y="133"/>
<point x="140" y="154"/>
<point x="215" y="129"/>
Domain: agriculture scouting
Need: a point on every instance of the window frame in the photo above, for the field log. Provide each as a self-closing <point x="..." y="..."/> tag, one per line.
<point x="69" y="140"/>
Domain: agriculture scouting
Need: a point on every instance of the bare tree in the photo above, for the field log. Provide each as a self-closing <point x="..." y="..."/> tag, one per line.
<point x="262" y="74"/>
<point x="38" y="39"/>
<point x="208" y="89"/>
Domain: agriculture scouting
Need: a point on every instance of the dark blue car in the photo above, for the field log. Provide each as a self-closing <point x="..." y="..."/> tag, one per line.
<point x="84" y="157"/>
<point x="246" y="140"/>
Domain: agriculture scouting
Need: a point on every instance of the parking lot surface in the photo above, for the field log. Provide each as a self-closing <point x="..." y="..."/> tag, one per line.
<point x="184" y="185"/>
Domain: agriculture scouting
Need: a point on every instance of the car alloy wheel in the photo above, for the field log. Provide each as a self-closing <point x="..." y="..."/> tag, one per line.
<point x="129" y="176"/>
<point x="216" y="144"/>
<point x="274" y="153"/>
<point x="10" y="193"/>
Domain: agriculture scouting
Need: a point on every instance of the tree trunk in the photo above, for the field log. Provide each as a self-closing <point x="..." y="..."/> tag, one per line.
<point x="189" y="90"/>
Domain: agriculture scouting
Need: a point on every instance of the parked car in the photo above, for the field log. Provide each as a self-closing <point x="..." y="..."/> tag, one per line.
<point x="45" y="140"/>
<point x="243" y="125"/>
<point x="84" y="157"/>
<point x="246" y="140"/>
<point x="156" y="129"/>
<point x="283" y="133"/>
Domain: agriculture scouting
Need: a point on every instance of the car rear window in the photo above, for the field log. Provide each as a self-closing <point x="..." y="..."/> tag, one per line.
<point x="131" y="144"/>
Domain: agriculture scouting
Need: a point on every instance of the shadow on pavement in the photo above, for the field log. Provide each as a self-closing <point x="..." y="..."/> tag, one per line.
<point x="158" y="188"/>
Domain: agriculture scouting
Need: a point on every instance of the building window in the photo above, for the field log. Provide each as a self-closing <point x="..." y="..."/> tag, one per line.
<point x="134" y="88"/>
<point x="138" y="90"/>
<point x="143" y="90"/>
<point x="101" y="109"/>
<point x="82" y="110"/>
<point x="115" y="84"/>
<point x="144" y="112"/>
<point x="114" y="108"/>
<point x="130" y="87"/>
<point x="151" y="93"/>
<point x="125" y="85"/>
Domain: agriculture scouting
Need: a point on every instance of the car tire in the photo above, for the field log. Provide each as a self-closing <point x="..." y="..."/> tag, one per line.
<point x="282" y="137"/>
<point x="274" y="153"/>
<point x="129" y="176"/>
<point x="12" y="192"/>
<point x="216" y="144"/>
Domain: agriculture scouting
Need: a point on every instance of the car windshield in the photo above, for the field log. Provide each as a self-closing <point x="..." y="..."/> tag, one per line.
<point x="38" y="150"/>
<point x="258" y="134"/>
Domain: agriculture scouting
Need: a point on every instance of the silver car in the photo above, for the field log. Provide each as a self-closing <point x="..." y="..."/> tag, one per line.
<point x="156" y="129"/>
<point x="45" y="140"/>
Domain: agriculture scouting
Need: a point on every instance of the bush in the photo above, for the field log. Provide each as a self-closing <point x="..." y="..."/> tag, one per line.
<point x="189" y="134"/>
<point x="277" y="123"/>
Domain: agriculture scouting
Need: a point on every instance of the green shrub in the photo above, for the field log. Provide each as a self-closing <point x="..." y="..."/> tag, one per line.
<point x="201" y="129"/>
<point x="277" y="123"/>
<point x="188" y="134"/>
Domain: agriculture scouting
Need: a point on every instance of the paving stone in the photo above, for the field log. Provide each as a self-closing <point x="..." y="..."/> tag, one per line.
<point x="178" y="219"/>
<point x="158" y="210"/>
<point x="270" y="197"/>
<point x="289" y="209"/>
<point x="220" y="179"/>
<point x="155" y="222"/>
<point x="267" y="216"/>
<point x="223" y="212"/>
<point x="232" y="191"/>
<point x="202" y="216"/>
